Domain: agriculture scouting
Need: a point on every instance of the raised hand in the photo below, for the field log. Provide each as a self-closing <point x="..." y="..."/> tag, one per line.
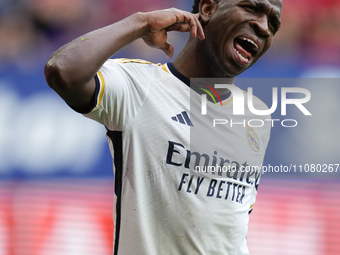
<point x="160" y="22"/>
<point x="71" y="69"/>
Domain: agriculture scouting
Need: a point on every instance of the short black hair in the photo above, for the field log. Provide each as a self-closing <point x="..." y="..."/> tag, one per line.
<point x="195" y="7"/>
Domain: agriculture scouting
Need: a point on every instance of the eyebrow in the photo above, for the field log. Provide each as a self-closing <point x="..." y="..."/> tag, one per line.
<point x="262" y="6"/>
<point x="276" y="20"/>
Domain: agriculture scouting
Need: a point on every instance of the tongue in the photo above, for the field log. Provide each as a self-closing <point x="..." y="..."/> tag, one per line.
<point x="241" y="50"/>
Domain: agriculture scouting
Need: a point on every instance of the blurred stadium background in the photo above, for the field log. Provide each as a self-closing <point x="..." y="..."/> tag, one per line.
<point x="56" y="181"/>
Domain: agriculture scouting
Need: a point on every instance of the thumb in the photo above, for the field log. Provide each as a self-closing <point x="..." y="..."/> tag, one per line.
<point x="168" y="49"/>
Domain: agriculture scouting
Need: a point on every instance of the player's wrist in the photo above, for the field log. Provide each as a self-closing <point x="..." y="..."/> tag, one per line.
<point x="140" y="20"/>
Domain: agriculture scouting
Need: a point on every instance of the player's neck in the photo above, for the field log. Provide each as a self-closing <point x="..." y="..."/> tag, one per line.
<point x="192" y="65"/>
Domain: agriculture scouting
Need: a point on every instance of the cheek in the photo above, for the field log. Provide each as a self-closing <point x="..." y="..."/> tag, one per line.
<point x="267" y="45"/>
<point x="264" y="50"/>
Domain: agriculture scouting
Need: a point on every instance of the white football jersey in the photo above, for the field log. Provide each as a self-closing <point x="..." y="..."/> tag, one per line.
<point x="174" y="194"/>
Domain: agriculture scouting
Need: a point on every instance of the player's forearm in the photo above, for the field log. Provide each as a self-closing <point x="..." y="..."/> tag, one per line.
<point x="77" y="62"/>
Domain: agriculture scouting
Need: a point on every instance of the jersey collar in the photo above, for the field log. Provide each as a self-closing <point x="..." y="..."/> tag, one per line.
<point x="171" y="68"/>
<point x="177" y="74"/>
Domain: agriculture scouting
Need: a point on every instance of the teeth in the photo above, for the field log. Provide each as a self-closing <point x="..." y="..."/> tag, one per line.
<point x="251" y="41"/>
<point x="243" y="58"/>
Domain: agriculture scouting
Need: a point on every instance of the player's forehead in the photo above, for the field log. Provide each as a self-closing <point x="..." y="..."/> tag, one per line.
<point x="275" y="4"/>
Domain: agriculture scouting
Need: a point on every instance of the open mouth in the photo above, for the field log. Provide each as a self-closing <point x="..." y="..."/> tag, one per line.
<point x="246" y="48"/>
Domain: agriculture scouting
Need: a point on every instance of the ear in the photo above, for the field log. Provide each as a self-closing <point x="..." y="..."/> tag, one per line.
<point x="207" y="8"/>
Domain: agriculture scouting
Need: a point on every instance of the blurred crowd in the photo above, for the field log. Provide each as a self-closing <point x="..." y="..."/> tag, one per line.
<point x="30" y="30"/>
<point x="310" y="31"/>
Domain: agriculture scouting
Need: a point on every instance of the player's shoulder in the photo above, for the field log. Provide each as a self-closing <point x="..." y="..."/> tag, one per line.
<point x="133" y="63"/>
<point x="138" y="66"/>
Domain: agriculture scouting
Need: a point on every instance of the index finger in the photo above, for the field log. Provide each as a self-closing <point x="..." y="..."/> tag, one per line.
<point x="200" y="31"/>
<point x="196" y="28"/>
<point x="193" y="22"/>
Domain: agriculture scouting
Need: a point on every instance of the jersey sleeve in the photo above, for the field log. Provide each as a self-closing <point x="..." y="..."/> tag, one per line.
<point x="120" y="93"/>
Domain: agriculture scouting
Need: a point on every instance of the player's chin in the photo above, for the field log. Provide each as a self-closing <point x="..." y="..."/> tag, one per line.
<point x="233" y="69"/>
<point x="238" y="69"/>
<point x="230" y="67"/>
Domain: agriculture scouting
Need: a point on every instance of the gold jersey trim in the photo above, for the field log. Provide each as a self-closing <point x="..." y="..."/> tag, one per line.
<point x="102" y="87"/>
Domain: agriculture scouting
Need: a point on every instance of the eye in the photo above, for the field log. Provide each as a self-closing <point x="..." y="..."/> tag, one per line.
<point x="252" y="8"/>
<point x="274" y="26"/>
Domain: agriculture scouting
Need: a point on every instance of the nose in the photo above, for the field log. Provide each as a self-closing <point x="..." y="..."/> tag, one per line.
<point x="260" y="25"/>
